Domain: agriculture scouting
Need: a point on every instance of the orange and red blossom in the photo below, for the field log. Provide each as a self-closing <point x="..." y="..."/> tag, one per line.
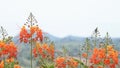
<point x="2" y="64"/>
<point x="8" y="62"/>
<point x="72" y="63"/>
<point x="61" y="62"/>
<point x="8" y="49"/>
<point x="109" y="57"/>
<point x="25" y="34"/>
<point x="84" y="55"/>
<point x="17" y="66"/>
<point x="106" y="61"/>
<point x="44" y="50"/>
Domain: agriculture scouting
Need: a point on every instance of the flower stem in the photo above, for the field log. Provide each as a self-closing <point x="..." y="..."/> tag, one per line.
<point x="4" y="62"/>
<point x="31" y="53"/>
<point x="31" y="22"/>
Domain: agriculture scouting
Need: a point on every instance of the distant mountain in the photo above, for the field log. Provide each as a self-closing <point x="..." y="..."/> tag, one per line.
<point x="51" y="37"/>
<point x="66" y="39"/>
<point x="72" y="38"/>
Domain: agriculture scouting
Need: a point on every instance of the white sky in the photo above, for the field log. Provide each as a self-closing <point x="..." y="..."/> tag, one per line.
<point x="63" y="17"/>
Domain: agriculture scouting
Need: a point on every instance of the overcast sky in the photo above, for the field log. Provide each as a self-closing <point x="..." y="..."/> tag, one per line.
<point x="63" y="17"/>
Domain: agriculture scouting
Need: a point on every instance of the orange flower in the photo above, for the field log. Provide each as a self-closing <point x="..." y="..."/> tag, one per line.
<point x="44" y="50"/>
<point x="112" y="65"/>
<point x="101" y="55"/>
<point x="12" y="50"/>
<point x="25" y="35"/>
<point x="35" y="52"/>
<point x="107" y="61"/>
<point x="72" y="63"/>
<point x="109" y="48"/>
<point x="39" y="35"/>
<point x="91" y="66"/>
<point x="100" y="67"/>
<point x="1" y="64"/>
<point x="10" y="60"/>
<point x="45" y="47"/>
<point x="17" y="66"/>
<point x="60" y="62"/>
<point x="32" y="30"/>
<point x="84" y="55"/>
<point x="8" y="49"/>
<point x="51" y="51"/>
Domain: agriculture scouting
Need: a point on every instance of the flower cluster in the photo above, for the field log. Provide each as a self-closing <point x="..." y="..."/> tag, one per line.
<point x="44" y="50"/>
<point x="9" y="50"/>
<point x="84" y="55"/>
<point x="35" y="32"/>
<point x="106" y="56"/>
<point x="9" y="63"/>
<point x="62" y="62"/>
<point x="72" y="63"/>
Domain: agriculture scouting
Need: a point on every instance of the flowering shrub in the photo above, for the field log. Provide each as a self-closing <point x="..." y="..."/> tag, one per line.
<point x="9" y="63"/>
<point x="8" y="51"/>
<point x="35" y="32"/>
<point x="105" y="57"/>
<point x="44" y="51"/>
<point x="62" y="62"/>
<point x="31" y="33"/>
